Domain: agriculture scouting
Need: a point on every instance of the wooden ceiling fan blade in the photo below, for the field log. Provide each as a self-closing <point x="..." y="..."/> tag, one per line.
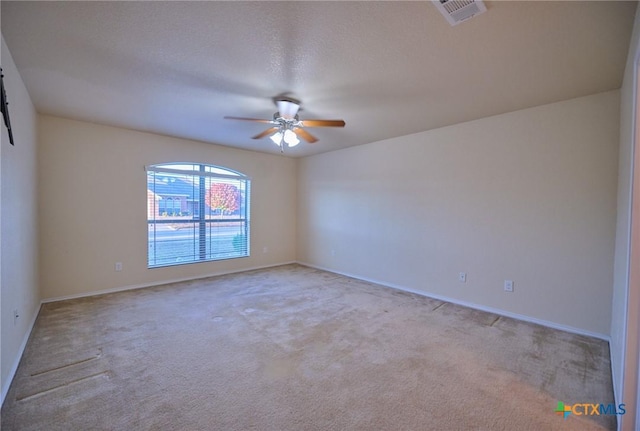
<point x="323" y="123"/>
<point x="305" y="135"/>
<point x="267" y="132"/>
<point x="249" y="119"/>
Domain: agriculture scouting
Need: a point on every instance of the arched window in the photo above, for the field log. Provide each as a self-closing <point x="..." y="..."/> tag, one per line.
<point x="196" y="213"/>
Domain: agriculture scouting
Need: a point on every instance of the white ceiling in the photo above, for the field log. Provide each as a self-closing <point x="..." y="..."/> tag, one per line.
<point x="387" y="68"/>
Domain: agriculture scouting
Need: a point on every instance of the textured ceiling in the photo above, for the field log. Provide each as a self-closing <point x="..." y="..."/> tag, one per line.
<point x="387" y="68"/>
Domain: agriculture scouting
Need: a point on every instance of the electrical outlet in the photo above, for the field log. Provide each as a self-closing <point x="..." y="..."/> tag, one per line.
<point x="462" y="277"/>
<point x="508" y="285"/>
<point x="15" y="316"/>
<point x="265" y="249"/>
<point x="118" y="266"/>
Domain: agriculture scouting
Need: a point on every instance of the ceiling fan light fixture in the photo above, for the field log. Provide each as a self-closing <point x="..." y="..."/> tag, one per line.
<point x="276" y="138"/>
<point x="290" y="138"/>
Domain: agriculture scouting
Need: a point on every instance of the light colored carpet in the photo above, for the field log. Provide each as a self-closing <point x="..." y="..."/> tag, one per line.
<point x="294" y="348"/>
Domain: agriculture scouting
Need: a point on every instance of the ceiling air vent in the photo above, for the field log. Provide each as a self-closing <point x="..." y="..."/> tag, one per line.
<point x="456" y="11"/>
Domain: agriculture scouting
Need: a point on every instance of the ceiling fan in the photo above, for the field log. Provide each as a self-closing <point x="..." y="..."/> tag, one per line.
<point x="287" y="127"/>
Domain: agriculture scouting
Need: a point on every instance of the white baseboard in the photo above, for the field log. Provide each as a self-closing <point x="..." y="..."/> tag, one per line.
<point x="497" y="311"/>
<point x="158" y="283"/>
<point x="16" y="362"/>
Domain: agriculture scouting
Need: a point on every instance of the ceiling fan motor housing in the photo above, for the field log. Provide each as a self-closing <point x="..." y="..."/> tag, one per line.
<point x="287" y="108"/>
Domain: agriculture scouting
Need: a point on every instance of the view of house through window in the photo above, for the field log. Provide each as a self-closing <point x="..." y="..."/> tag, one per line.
<point x="195" y="213"/>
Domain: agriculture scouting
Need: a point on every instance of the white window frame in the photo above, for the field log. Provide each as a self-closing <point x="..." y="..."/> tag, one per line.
<point x="202" y="236"/>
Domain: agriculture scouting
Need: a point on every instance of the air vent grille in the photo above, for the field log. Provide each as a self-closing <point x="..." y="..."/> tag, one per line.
<point x="456" y="11"/>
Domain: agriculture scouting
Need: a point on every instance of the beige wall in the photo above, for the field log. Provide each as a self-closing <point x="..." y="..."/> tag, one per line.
<point x="93" y="198"/>
<point x="528" y="196"/>
<point x="18" y="223"/>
